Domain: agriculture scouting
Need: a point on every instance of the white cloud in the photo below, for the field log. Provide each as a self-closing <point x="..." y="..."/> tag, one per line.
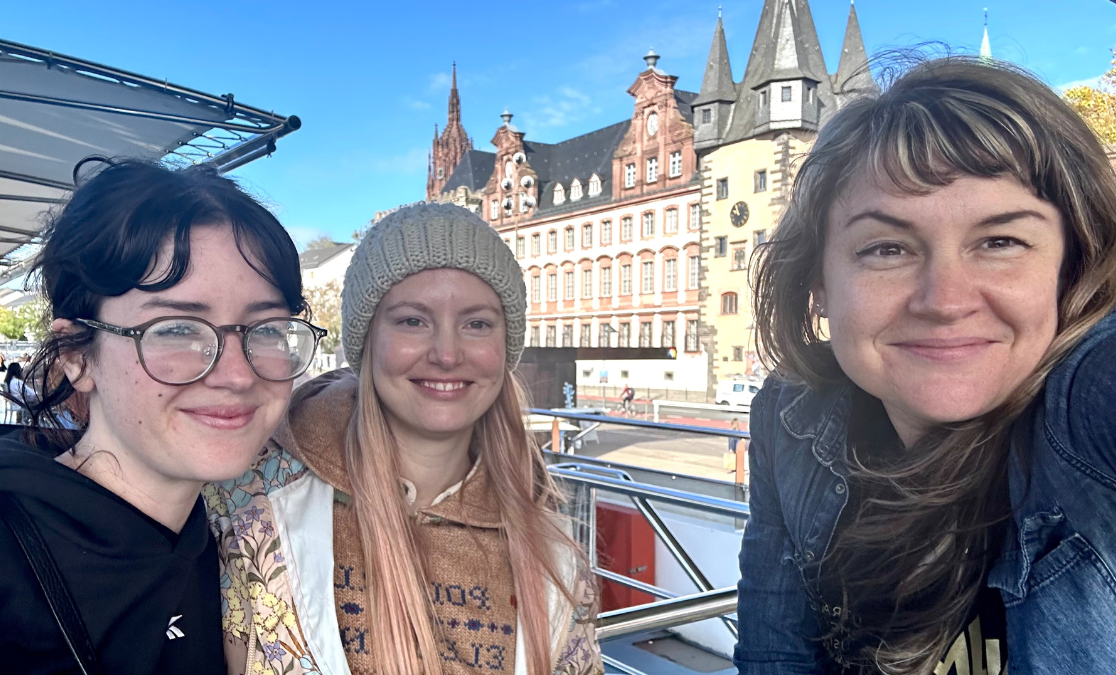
<point x="1093" y="82"/>
<point x="304" y="235"/>
<point x="440" y="82"/>
<point x="568" y="105"/>
<point x="415" y="104"/>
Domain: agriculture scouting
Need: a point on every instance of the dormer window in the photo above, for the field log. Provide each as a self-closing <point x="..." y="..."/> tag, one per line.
<point x="559" y="194"/>
<point x="707" y="116"/>
<point x="763" y="98"/>
<point x="809" y="94"/>
<point x="575" y="190"/>
<point x="594" y="185"/>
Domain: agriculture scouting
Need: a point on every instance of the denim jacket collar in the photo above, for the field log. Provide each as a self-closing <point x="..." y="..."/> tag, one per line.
<point x="822" y="415"/>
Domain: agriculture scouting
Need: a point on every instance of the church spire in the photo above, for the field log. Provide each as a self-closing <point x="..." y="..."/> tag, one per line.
<point x="853" y="75"/>
<point x="985" y="47"/>
<point x="717" y="84"/>
<point x="450" y="147"/>
<point x="454" y="100"/>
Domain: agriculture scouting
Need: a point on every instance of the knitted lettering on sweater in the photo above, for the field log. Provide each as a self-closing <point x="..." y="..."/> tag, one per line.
<point x="466" y="552"/>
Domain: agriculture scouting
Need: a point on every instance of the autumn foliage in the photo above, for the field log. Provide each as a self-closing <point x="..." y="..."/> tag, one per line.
<point x="1097" y="105"/>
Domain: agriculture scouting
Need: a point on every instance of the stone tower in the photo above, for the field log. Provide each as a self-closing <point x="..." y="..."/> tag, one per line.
<point x="449" y="148"/>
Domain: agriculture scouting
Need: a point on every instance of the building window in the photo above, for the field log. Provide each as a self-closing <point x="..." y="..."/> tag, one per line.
<point x="569" y="237"/>
<point x="552" y="287"/>
<point x="567" y="335"/>
<point x="575" y="190"/>
<point x="552" y="241"/>
<point x="625" y="280"/>
<point x="626" y="228"/>
<point x="668" y="376"/>
<point x="625" y="337"/>
<point x="552" y="336"/>
<point x="586" y="336"/>
<point x="676" y="164"/>
<point x="692" y="335"/>
<point x="594" y="185"/>
<point x="587" y="235"/>
<point x="520" y="247"/>
<point x="441" y="173"/>
<point x="740" y="258"/>
<point x="648" y="276"/>
<point x="523" y="208"/>
<point x="604" y="337"/>
<point x="761" y="180"/>
<point x="670" y="275"/>
<point x="694" y="272"/>
<point x="536" y="292"/>
<point x="606" y="282"/>
<point x="671" y="224"/>
<point x="720" y="247"/>
<point x="763" y="98"/>
<point x="570" y="285"/>
<point x="785" y="95"/>
<point x="707" y="116"/>
<point x="668" y="334"/>
<point x="586" y="372"/>
<point x="536" y="244"/>
<point x="809" y="94"/>
<point x="759" y="237"/>
<point x="728" y="303"/>
<point x="624" y="374"/>
<point x="737" y="353"/>
<point x="645" y="328"/>
<point x="494" y="209"/>
<point x="652" y="169"/>
<point x="649" y="225"/>
<point x="629" y="176"/>
<point x="695" y="216"/>
<point x="559" y="194"/>
<point x="722" y="188"/>
<point x="587" y="283"/>
<point x="534" y="336"/>
<point x="606" y="232"/>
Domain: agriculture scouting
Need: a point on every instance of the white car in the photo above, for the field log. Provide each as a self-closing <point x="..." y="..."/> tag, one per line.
<point x="737" y="392"/>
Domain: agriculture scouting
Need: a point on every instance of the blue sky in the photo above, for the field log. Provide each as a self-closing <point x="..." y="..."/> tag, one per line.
<point x="370" y="80"/>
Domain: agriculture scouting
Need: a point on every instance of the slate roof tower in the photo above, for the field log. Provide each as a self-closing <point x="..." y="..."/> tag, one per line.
<point x="714" y="102"/>
<point x="853" y="78"/>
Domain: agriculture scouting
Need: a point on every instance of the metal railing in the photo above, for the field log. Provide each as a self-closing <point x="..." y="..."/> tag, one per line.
<point x="671" y="610"/>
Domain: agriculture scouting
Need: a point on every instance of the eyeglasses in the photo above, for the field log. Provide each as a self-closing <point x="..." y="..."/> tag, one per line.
<point x="178" y="350"/>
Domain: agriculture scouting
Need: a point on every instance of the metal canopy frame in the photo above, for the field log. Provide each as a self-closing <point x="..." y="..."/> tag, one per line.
<point x="227" y="134"/>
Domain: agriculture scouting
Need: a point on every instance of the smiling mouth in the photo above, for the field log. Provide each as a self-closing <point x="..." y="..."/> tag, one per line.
<point x="438" y="385"/>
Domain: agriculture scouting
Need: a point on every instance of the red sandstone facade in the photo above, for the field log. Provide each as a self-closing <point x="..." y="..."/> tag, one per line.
<point x="447" y="150"/>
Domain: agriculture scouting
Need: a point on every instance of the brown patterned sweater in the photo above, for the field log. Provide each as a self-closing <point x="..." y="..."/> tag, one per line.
<point x="470" y="575"/>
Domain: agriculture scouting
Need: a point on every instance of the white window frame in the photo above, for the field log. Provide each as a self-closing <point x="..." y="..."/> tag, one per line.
<point x="695" y="216"/>
<point x="494" y="209"/>
<point x="646" y="333"/>
<point x="670" y="221"/>
<point x="676" y="164"/>
<point x="552" y="241"/>
<point x="587" y="235"/>
<point x="575" y="190"/>
<point x="552" y="287"/>
<point x="606" y="232"/>
<point x="520" y="247"/>
<point x="652" y="169"/>
<point x="569" y="285"/>
<point x="594" y="185"/>
<point x="606" y="281"/>
<point x="670" y="275"/>
<point x="626" y="228"/>
<point x="648" y="224"/>
<point x="536" y="292"/>
<point x="536" y="244"/>
<point x="626" y="279"/>
<point x="647" y="277"/>
<point x="559" y="194"/>
<point x="694" y="270"/>
<point x="630" y="175"/>
<point x="569" y="232"/>
<point x="587" y="283"/>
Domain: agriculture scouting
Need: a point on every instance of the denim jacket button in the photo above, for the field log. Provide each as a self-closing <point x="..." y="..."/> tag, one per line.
<point x="840" y="488"/>
<point x="809" y="556"/>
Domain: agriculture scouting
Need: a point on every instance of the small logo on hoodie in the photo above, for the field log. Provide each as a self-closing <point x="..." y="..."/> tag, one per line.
<point x="173" y="631"/>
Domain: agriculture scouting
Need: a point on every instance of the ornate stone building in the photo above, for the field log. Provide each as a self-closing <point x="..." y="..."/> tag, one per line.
<point x="607" y="228"/>
<point x="748" y="136"/>
<point x="449" y="148"/>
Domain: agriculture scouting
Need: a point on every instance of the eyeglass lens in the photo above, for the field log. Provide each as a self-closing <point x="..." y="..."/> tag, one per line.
<point x="176" y="351"/>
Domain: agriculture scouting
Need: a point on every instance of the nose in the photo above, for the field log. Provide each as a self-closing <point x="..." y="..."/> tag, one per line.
<point x="445" y="350"/>
<point x="232" y="370"/>
<point x="946" y="290"/>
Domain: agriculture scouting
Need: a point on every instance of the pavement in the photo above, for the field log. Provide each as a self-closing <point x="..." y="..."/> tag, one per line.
<point x="663" y="450"/>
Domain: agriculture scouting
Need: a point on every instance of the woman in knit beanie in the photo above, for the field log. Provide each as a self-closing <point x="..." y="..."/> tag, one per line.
<point x="412" y="527"/>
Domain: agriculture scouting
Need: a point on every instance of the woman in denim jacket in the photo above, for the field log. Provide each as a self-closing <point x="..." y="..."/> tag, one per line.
<point x="933" y="463"/>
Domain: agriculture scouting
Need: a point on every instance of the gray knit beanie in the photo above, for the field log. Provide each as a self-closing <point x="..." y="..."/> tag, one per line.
<point x="423" y="237"/>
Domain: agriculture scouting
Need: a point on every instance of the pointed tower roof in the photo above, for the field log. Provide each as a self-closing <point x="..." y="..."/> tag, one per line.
<point x="786" y="46"/>
<point x="985" y="47"/>
<point x="717" y="85"/>
<point x="454" y="99"/>
<point x="853" y="76"/>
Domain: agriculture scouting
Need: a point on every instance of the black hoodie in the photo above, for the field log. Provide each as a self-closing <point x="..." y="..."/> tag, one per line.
<point x="150" y="598"/>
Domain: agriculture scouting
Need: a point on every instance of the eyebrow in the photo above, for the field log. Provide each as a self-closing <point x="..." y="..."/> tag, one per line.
<point x="903" y="224"/>
<point x="419" y="307"/>
<point x="199" y="307"/>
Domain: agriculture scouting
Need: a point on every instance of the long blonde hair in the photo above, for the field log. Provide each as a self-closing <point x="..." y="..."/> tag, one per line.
<point x="406" y="634"/>
<point x="930" y="533"/>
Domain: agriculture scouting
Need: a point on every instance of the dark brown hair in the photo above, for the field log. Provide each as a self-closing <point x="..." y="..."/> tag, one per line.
<point x="930" y="532"/>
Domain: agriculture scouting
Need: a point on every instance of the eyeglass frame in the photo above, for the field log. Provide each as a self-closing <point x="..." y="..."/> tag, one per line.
<point x="137" y="332"/>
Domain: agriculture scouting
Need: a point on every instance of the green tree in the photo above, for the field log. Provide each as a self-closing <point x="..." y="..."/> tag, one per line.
<point x="11" y="325"/>
<point x="320" y="242"/>
<point x="1097" y="104"/>
<point x="325" y="307"/>
<point x="36" y="316"/>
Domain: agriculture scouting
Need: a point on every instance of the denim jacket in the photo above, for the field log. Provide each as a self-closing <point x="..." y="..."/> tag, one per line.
<point x="1056" y="569"/>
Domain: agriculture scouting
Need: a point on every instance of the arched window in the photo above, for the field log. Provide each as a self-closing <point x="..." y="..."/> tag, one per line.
<point x="728" y="303"/>
<point x="594" y="185"/>
<point x="575" y="190"/>
<point x="559" y="194"/>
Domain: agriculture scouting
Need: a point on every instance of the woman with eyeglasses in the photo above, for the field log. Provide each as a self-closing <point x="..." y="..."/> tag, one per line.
<point x="174" y="344"/>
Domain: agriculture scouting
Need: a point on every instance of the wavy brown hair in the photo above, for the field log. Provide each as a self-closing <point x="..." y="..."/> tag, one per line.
<point x="930" y="531"/>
